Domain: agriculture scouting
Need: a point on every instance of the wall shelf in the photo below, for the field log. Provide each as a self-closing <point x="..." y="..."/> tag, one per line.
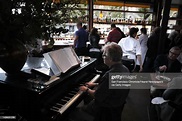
<point x="121" y="23"/>
<point x="122" y="11"/>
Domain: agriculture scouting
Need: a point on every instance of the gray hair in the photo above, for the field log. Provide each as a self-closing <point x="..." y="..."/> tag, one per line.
<point x="175" y="48"/>
<point x="114" y="51"/>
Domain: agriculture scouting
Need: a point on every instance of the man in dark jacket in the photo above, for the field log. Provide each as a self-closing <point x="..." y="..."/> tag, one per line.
<point x="168" y="63"/>
<point x="108" y="103"/>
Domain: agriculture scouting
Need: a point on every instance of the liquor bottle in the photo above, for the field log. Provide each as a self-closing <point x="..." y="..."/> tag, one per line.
<point x="130" y="20"/>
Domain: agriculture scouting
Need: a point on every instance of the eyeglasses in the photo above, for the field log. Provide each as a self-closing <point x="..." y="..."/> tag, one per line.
<point x="174" y="53"/>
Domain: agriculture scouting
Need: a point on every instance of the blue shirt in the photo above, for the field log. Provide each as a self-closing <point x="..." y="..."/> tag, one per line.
<point x="82" y="38"/>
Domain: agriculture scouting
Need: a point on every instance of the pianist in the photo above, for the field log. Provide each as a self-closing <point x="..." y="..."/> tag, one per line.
<point x="107" y="104"/>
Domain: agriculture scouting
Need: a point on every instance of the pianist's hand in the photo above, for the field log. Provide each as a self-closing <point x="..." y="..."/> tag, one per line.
<point x="83" y="88"/>
<point x="89" y="84"/>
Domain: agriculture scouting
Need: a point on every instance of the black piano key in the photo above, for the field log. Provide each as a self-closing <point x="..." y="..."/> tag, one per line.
<point x="74" y="92"/>
<point x="68" y="98"/>
<point x="63" y="100"/>
<point x="55" y="108"/>
<point x="71" y="94"/>
<point x="59" y="104"/>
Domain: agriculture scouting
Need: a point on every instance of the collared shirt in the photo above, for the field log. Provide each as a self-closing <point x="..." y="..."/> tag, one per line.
<point x="82" y="38"/>
<point x="114" y="36"/>
<point x="131" y="47"/>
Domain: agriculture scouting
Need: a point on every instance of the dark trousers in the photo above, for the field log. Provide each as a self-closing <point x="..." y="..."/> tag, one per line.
<point x="104" y="113"/>
<point x="109" y="114"/>
<point x="148" y="65"/>
<point x="82" y="51"/>
<point x="92" y="112"/>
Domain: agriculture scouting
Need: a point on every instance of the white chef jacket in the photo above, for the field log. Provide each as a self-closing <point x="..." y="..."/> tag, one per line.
<point x="131" y="47"/>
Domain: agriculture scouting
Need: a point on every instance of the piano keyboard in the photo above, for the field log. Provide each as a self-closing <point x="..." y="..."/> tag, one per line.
<point x="66" y="102"/>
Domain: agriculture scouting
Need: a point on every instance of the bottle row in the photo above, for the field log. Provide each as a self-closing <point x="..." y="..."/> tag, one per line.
<point x="123" y="20"/>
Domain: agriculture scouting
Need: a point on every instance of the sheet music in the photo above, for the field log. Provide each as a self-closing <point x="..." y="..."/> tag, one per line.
<point x="63" y="59"/>
<point x="73" y="58"/>
<point x="51" y="63"/>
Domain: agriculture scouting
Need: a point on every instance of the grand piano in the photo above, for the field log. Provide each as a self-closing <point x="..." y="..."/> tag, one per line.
<point x="45" y="100"/>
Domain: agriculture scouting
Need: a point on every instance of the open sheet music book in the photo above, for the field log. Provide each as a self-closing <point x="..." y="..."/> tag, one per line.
<point x="62" y="60"/>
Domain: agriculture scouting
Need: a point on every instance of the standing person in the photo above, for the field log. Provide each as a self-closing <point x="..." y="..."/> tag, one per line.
<point x="143" y="38"/>
<point x="114" y="35"/>
<point x="108" y="103"/>
<point x="152" y="45"/>
<point x="122" y="33"/>
<point x="85" y="27"/>
<point x="131" y="47"/>
<point x="94" y="38"/>
<point x="81" y="37"/>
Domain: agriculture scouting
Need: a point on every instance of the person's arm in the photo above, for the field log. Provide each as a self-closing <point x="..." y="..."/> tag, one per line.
<point x="103" y="91"/>
<point x="91" y="84"/>
<point x="91" y="92"/>
<point x="140" y="62"/>
<point x="75" y="40"/>
<point x="138" y="54"/>
<point x="157" y="64"/>
<point x="87" y="90"/>
<point x="169" y="94"/>
<point x="109" y="37"/>
<point x="173" y="87"/>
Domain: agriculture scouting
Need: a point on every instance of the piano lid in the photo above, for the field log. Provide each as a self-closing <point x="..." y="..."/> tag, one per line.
<point x="21" y="81"/>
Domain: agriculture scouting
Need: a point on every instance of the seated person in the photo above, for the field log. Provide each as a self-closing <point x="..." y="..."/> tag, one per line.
<point x="164" y="63"/>
<point x="108" y="103"/>
<point x="169" y="106"/>
<point x="168" y="63"/>
<point x="173" y="93"/>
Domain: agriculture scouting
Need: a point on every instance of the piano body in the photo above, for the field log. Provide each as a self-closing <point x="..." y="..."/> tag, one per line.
<point x="45" y="101"/>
